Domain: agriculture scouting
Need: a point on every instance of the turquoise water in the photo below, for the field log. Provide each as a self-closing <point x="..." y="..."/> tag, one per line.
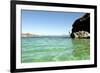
<point x="47" y="49"/>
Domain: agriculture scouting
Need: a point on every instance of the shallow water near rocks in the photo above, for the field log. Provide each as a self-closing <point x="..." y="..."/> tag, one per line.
<point x="47" y="49"/>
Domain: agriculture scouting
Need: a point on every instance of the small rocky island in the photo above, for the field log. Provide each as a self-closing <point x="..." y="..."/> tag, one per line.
<point x="81" y="27"/>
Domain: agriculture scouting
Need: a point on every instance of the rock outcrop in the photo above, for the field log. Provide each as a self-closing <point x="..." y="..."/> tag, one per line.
<point x="81" y="27"/>
<point x="81" y="34"/>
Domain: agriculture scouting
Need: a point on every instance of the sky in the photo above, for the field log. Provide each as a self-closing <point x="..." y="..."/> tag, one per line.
<point x="48" y="22"/>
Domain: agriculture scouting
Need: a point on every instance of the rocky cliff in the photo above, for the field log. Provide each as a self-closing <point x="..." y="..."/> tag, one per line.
<point x="81" y="27"/>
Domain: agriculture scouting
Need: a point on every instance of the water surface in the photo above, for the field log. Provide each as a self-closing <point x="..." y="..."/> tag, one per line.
<point x="47" y="49"/>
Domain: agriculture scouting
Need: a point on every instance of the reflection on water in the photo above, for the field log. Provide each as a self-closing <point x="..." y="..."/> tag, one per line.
<point x="81" y="48"/>
<point x="46" y="49"/>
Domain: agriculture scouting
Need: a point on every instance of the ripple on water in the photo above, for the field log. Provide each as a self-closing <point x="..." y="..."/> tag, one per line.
<point x="54" y="49"/>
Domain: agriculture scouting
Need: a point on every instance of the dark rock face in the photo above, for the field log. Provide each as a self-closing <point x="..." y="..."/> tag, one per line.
<point x="81" y="24"/>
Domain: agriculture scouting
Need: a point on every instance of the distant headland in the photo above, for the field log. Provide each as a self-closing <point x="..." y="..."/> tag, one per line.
<point x="28" y="34"/>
